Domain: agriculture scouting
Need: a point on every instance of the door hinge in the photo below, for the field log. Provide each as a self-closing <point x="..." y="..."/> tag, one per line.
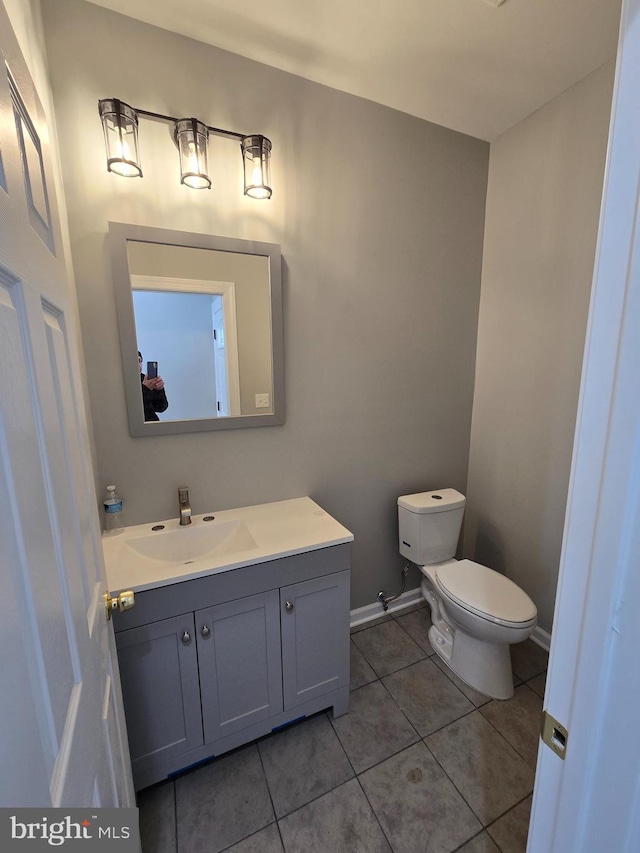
<point x="124" y="601"/>
<point x="554" y="734"/>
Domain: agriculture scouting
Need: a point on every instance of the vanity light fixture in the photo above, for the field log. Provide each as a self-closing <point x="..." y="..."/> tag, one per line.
<point x="120" y="126"/>
<point x="256" y="155"/>
<point x="193" y="138"/>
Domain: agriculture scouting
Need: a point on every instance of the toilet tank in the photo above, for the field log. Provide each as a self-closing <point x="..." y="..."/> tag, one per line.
<point x="429" y="525"/>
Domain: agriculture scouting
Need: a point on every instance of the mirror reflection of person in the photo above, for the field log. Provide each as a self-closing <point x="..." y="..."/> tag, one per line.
<point x="154" y="398"/>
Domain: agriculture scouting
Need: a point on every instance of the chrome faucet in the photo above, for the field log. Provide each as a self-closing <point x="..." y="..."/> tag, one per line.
<point x="185" y="506"/>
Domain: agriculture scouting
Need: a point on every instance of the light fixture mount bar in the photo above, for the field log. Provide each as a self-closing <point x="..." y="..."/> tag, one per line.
<point x="219" y="132"/>
<point x="174" y="120"/>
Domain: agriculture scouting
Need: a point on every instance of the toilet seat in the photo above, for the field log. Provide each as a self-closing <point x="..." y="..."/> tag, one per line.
<point x="486" y="593"/>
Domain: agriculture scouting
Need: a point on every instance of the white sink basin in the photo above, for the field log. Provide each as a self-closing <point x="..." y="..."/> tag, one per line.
<point x="196" y="541"/>
<point x="140" y="557"/>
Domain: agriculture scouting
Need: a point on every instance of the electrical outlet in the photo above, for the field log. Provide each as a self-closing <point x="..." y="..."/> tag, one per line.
<point x="262" y="401"/>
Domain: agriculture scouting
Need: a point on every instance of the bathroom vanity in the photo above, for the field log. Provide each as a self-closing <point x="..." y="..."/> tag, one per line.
<point x="238" y="629"/>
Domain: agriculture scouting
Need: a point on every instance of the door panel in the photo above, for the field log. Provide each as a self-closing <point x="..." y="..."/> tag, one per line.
<point x="315" y="637"/>
<point x="159" y="673"/>
<point x="240" y="668"/>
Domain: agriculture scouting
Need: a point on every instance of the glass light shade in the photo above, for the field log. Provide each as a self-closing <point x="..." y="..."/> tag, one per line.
<point x="120" y="127"/>
<point x="256" y="157"/>
<point x="192" y="137"/>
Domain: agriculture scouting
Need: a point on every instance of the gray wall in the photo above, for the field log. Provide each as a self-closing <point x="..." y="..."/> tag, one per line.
<point x="380" y="218"/>
<point x="543" y="200"/>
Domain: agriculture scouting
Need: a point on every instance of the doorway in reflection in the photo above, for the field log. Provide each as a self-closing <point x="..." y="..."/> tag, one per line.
<point x="191" y="336"/>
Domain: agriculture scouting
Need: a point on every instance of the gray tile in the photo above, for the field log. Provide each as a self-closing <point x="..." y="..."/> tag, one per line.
<point x="511" y="831"/>
<point x="303" y="762"/>
<point x="158" y="818"/>
<point x="417" y="626"/>
<point x="222" y="802"/>
<point x="489" y="774"/>
<point x="361" y="672"/>
<point x="374" y="728"/>
<point x="428" y="698"/>
<point x="339" y="822"/>
<point x="265" y="841"/>
<point x="480" y="844"/>
<point x="518" y="721"/>
<point x="386" y="617"/>
<point x="472" y="695"/>
<point x="417" y="806"/>
<point x="528" y="659"/>
<point x="387" y="647"/>
<point x="538" y="684"/>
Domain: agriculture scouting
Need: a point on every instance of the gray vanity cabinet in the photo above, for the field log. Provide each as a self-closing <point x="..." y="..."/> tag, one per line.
<point x="217" y="661"/>
<point x="159" y="673"/>
<point x="240" y="664"/>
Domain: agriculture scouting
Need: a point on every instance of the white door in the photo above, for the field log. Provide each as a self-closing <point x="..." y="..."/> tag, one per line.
<point x="220" y="357"/>
<point x="61" y="720"/>
<point x="590" y="802"/>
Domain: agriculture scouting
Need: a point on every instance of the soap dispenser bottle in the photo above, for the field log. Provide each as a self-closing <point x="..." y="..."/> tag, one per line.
<point x="113" y="520"/>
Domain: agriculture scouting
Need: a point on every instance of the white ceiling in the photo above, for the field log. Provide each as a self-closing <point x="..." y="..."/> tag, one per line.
<point x="478" y="66"/>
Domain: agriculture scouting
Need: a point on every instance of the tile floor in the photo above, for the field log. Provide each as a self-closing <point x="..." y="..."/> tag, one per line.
<point x="420" y="763"/>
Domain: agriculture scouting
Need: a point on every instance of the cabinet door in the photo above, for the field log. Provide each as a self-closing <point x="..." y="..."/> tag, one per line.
<point x="240" y="667"/>
<point x="159" y="674"/>
<point x="315" y="637"/>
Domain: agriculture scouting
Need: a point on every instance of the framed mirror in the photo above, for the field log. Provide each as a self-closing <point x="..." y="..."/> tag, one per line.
<point x="201" y="336"/>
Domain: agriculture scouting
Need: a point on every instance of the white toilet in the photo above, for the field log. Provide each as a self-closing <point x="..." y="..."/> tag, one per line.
<point x="477" y="613"/>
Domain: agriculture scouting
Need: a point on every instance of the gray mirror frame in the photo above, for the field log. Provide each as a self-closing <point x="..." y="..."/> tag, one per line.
<point x="119" y="234"/>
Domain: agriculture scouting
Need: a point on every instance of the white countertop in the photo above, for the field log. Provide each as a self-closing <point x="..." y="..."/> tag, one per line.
<point x="263" y="532"/>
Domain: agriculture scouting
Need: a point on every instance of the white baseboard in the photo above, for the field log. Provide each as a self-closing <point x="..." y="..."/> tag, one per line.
<point x="542" y="638"/>
<point x="369" y="612"/>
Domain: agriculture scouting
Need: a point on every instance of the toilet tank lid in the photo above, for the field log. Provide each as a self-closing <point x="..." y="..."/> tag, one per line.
<point x="438" y="500"/>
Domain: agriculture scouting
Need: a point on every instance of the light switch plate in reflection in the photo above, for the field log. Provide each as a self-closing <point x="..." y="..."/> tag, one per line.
<point x="262" y="401"/>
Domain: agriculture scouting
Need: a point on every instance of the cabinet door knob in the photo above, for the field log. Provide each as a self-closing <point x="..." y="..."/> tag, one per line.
<point x="186" y="638"/>
<point x="289" y="606"/>
<point x="205" y="630"/>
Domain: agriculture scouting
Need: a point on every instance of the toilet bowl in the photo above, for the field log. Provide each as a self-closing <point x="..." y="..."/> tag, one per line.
<point x="476" y="612"/>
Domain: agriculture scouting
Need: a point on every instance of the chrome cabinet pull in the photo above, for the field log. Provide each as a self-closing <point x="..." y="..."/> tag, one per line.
<point x="186" y="638"/>
<point x="289" y="606"/>
<point x="205" y="630"/>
